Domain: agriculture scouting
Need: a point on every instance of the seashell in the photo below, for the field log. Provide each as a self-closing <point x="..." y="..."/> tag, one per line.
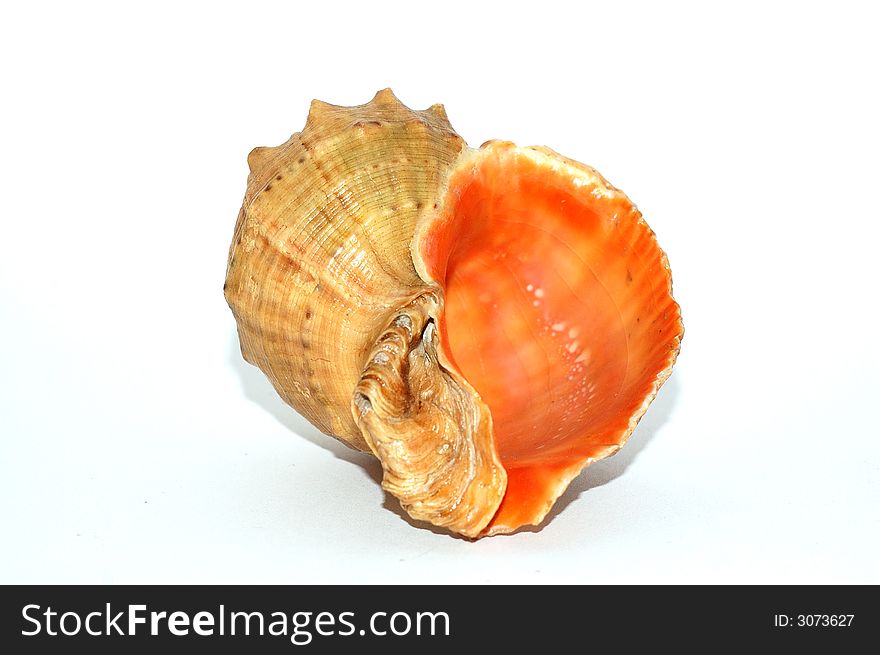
<point x="487" y="322"/>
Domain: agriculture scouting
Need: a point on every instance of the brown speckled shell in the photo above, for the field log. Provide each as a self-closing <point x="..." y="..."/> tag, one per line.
<point x="320" y="260"/>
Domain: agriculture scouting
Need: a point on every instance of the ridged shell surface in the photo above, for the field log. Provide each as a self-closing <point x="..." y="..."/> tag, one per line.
<point x="320" y="259"/>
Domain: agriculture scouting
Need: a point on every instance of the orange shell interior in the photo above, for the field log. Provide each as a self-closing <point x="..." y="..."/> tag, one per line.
<point x="558" y="312"/>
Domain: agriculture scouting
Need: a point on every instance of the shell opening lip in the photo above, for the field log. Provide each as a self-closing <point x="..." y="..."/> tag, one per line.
<point x="427" y="426"/>
<point x="558" y="311"/>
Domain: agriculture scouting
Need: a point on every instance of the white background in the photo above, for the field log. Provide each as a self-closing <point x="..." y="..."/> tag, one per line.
<point x="139" y="447"/>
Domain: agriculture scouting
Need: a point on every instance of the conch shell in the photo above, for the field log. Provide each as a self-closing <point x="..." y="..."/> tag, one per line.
<point x="487" y="322"/>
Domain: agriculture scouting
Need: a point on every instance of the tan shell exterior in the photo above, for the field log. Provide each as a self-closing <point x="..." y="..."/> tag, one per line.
<point x="317" y="231"/>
